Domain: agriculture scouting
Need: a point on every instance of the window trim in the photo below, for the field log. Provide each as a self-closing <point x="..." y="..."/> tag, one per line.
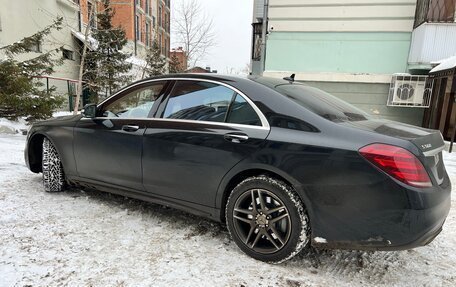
<point x="263" y="120"/>
<point x="164" y="104"/>
<point x="235" y="91"/>
<point x="127" y="91"/>
<point x="138" y="29"/>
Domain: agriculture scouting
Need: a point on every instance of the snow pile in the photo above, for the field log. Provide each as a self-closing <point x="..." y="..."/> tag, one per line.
<point x="21" y="125"/>
<point x="88" y="238"/>
<point x="12" y="127"/>
<point x="444" y="64"/>
<point x="92" y="43"/>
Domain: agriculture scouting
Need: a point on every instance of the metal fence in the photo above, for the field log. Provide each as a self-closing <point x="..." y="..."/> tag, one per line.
<point x="66" y="88"/>
<point x="434" y="11"/>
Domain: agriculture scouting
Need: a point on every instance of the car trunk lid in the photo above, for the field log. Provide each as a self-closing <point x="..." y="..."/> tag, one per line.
<point x="429" y="142"/>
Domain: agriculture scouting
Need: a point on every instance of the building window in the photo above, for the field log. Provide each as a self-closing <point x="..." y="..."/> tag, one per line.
<point x="67" y="54"/>
<point x="153" y="22"/>
<point x="435" y="11"/>
<point x="160" y="16"/>
<point x="138" y="2"/>
<point x="36" y="47"/>
<point x="138" y="30"/>
<point x="256" y="41"/>
<point x="164" y="47"/>
<point x="160" y="44"/>
<point x="147" y="34"/>
<point x="148" y="7"/>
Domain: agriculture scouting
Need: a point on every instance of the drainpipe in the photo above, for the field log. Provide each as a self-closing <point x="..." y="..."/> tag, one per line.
<point x="263" y="35"/>
<point x="134" y="24"/>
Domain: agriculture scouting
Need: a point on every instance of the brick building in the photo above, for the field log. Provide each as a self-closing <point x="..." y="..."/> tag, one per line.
<point x="144" y="21"/>
<point x="182" y="57"/>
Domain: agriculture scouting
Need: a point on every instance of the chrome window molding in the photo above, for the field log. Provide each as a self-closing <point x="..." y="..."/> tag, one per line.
<point x="264" y="121"/>
<point x="182" y="121"/>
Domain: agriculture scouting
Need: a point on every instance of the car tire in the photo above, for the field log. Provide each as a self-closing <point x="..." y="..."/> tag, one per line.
<point x="53" y="175"/>
<point x="267" y="219"/>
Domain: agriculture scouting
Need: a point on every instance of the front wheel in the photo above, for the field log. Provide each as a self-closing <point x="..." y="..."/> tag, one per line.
<point x="53" y="176"/>
<point x="267" y="220"/>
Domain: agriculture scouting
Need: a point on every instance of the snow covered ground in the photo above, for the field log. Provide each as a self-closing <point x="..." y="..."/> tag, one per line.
<point x="80" y="238"/>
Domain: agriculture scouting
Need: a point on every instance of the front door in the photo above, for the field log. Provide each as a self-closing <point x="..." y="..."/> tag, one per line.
<point x="108" y="148"/>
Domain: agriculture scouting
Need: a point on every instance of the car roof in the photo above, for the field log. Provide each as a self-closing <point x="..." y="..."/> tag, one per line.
<point x="206" y="76"/>
<point x="267" y="81"/>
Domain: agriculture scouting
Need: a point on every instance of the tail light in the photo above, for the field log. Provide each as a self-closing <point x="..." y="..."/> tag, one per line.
<point x="398" y="163"/>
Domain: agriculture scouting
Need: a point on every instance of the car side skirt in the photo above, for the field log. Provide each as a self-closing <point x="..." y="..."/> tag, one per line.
<point x="196" y="209"/>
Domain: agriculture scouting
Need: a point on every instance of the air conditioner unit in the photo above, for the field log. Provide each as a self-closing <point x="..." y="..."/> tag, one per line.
<point x="409" y="90"/>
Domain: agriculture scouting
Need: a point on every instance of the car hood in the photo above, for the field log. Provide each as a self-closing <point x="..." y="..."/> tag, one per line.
<point x="63" y="120"/>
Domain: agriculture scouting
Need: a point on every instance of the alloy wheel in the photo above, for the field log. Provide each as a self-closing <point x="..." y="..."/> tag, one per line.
<point x="262" y="221"/>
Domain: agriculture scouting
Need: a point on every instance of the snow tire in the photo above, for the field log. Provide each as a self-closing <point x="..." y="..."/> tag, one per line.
<point x="53" y="176"/>
<point x="279" y="193"/>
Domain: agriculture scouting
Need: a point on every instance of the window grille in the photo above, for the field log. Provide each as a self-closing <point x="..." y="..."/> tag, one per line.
<point x="410" y="91"/>
<point x="435" y="11"/>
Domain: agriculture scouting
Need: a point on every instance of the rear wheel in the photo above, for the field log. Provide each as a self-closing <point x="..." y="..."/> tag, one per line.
<point x="53" y="176"/>
<point x="267" y="220"/>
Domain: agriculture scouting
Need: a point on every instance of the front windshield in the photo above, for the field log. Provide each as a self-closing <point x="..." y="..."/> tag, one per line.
<point x="321" y="103"/>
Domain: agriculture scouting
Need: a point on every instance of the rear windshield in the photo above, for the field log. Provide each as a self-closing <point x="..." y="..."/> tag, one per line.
<point x="321" y="103"/>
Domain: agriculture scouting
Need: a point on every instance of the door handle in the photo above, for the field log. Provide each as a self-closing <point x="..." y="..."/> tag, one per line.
<point x="129" y="128"/>
<point x="236" y="138"/>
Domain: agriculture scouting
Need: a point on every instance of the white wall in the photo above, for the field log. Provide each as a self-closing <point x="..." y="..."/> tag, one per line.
<point x="432" y="42"/>
<point x="342" y="15"/>
<point x="21" y="18"/>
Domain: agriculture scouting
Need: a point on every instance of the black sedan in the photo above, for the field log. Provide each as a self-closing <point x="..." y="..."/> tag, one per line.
<point x="285" y="165"/>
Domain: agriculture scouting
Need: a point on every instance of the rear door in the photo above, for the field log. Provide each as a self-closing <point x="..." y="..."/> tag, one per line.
<point x="202" y="130"/>
<point x="108" y="148"/>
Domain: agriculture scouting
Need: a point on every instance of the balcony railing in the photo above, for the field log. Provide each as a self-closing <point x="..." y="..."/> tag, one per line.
<point x="435" y="11"/>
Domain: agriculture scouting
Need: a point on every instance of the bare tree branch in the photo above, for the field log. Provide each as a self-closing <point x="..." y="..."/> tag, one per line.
<point x="193" y="29"/>
<point x="83" y="57"/>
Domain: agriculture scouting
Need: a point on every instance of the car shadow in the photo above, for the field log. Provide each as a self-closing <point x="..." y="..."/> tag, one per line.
<point x="371" y="265"/>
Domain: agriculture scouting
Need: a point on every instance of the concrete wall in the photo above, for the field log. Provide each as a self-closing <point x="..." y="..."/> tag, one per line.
<point x="340" y="52"/>
<point x="372" y="99"/>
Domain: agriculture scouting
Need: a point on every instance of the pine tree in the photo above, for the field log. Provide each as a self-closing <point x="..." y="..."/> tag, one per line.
<point x="105" y="67"/>
<point x="21" y="93"/>
<point x="175" y="66"/>
<point x="156" y="63"/>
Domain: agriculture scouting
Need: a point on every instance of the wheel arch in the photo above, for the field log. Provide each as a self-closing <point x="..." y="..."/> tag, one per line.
<point x="234" y="178"/>
<point x="35" y="151"/>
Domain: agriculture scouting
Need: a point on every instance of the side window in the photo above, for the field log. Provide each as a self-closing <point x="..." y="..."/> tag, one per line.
<point x="136" y="104"/>
<point x="242" y="112"/>
<point x="201" y="101"/>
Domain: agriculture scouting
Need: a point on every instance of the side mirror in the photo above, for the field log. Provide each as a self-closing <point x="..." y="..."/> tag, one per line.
<point x="90" y="111"/>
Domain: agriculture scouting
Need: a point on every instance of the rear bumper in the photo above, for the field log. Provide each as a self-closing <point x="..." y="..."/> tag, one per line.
<point x="397" y="219"/>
